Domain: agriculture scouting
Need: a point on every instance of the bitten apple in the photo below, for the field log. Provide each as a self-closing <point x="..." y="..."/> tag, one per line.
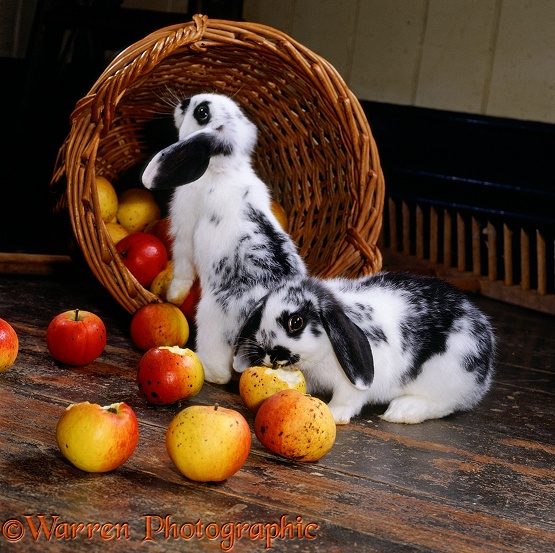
<point x="76" y="337"/>
<point x="208" y="443"/>
<point x="295" y="425"/>
<point x="159" y="324"/>
<point x="9" y="345"/>
<point x="95" y="438"/>
<point x="259" y="383"/>
<point x="143" y="255"/>
<point x="168" y="374"/>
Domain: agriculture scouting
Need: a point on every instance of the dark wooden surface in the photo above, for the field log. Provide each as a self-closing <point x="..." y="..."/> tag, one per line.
<point x="481" y="481"/>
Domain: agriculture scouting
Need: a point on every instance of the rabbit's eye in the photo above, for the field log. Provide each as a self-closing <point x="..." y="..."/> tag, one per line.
<point x="295" y="323"/>
<point x="202" y="113"/>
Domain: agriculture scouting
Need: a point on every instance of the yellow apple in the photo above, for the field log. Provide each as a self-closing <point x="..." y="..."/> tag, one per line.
<point x="95" y="438"/>
<point x="259" y="383"/>
<point x="137" y="208"/>
<point x="107" y="199"/>
<point x="168" y="374"/>
<point x="116" y="231"/>
<point x="208" y="443"/>
<point x="280" y="214"/>
<point x="162" y="280"/>
<point x="295" y="425"/>
<point x="159" y="324"/>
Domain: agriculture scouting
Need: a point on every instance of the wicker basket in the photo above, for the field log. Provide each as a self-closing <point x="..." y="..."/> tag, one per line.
<point x="315" y="151"/>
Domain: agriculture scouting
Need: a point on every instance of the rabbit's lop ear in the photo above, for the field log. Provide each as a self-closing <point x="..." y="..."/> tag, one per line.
<point x="182" y="162"/>
<point x="349" y="343"/>
<point x="247" y="352"/>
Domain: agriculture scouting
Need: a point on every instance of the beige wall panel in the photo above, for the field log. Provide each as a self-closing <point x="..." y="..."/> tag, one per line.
<point x="457" y="54"/>
<point x="523" y="79"/>
<point x="327" y="27"/>
<point x="275" y="13"/>
<point x="387" y="51"/>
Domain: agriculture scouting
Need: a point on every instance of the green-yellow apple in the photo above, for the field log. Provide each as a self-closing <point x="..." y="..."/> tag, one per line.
<point x="167" y="374"/>
<point x="137" y="207"/>
<point x="208" y="443"/>
<point x="116" y="231"/>
<point x="259" y="383"/>
<point x="9" y="345"/>
<point x="295" y="425"/>
<point x="107" y="199"/>
<point x="76" y="337"/>
<point x="159" y="324"/>
<point x="95" y="438"/>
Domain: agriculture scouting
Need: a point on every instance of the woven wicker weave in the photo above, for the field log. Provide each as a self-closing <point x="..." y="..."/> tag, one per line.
<point x="316" y="151"/>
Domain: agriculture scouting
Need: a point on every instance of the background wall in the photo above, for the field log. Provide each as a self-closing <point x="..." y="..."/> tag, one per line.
<point x="491" y="57"/>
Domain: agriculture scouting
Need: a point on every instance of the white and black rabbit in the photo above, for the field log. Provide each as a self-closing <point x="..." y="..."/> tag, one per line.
<point x="222" y="223"/>
<point x="414" y="342"/>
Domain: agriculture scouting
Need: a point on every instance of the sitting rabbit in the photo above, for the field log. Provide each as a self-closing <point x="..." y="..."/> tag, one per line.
<point x="414" y="342"/>
<point x="221" y="220"/>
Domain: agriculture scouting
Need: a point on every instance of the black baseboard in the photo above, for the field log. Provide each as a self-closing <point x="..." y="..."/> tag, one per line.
<point x="490" y="166"/>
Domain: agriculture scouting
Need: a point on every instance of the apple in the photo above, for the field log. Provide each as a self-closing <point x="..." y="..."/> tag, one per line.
<point x="161" y="229"/>
<point x="144" y="255"/>
<point x="295" y="425"/>
<point x="259" y="383"/>
<point x="161" y="283"/>
<point x="190" y="303"/>
<point x="116" y="231"/>
<point x="9" y="345"/>
<point x="167" y="374"/>
<point x="76" y="337"/>
<point x="208" y="443"/>
<point x="159" y="286"/>
<point x="159" y="324"/>
<point x="137" y="207"/>
<point x="107" y="199"/>
<point x="280" y="215"/>
<point x="95" y="438"/>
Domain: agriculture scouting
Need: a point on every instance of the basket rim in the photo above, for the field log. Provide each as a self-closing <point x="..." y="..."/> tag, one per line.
<point x="93" y="114"/>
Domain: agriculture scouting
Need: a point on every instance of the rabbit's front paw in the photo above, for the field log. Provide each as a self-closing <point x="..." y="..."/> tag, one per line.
<point x="341" y="413"/>
<point x="413" y="410"/>
<point x="178" y="290"/>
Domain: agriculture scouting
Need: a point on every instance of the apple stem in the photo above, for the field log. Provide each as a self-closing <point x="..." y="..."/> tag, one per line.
<point x="76" y="315"/>
<point x="216" y="406"/>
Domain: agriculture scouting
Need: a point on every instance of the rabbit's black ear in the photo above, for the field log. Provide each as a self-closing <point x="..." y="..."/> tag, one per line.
<point x="350" y="345"/>
<point x="247" y="352"/>
<point x="182" y="162"/>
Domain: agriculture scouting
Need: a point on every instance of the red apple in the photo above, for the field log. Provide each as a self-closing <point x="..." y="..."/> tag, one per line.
<point x="161" y="229"/>
<point x="95" y="438"/>
<point x="295" y="425"/>
<point x="189" y="305"/>
<point x="168" y="374"/>
<point x="76" y="337"/>
<point x="144" y="255"/>
<point x="159" y="324"/>
<point x="208" y="443"/>
<point x="9" y="345"/>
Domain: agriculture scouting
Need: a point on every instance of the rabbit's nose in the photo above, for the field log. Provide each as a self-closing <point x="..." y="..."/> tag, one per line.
<point x="282" y="356"/>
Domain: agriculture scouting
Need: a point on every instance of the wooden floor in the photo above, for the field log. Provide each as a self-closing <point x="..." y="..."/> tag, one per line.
<point x="481" y="481"/>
